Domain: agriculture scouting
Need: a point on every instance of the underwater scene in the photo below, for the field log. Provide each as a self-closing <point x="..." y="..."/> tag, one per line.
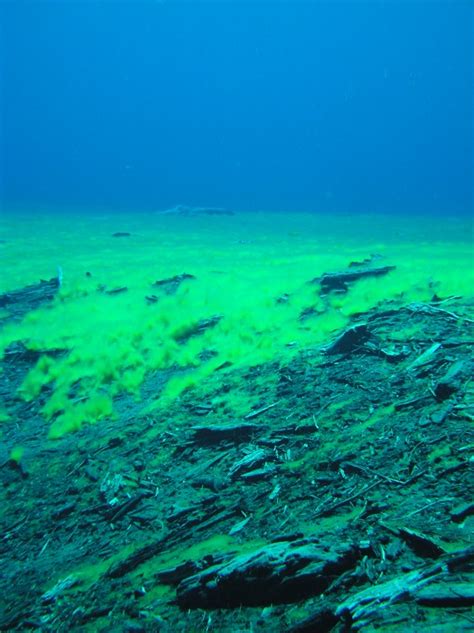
<point x="236" y="317"/>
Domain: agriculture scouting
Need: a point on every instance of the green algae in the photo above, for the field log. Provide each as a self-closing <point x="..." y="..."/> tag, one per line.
<point x="112" y="342"/>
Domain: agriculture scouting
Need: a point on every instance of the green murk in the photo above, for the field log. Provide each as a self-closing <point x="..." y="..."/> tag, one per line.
<point x="438" y="453"/>
<point x="112" y="342"/>
<point x="378" y="415"/>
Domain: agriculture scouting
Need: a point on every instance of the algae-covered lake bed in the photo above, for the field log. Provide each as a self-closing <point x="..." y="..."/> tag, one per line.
<point x="216" y="421"/>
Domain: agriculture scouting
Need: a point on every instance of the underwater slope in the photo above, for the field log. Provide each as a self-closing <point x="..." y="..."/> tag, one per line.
<point x="302" y="488"/>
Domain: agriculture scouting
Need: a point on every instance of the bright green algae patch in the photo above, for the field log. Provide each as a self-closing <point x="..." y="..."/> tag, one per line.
<point x="251" y="274"/>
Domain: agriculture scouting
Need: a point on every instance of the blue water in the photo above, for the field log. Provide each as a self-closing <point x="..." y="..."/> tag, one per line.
<point x="354" y="106"/>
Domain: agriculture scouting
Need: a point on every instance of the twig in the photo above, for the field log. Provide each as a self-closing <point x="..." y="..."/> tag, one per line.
<point x="253" y="414"/>
<point x="429" y="505"/>
<point x="353" y="497"/>
<point x="423" y="307"/>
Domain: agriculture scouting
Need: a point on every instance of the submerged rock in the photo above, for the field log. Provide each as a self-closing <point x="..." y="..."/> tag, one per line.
<point x="278" y="573"/>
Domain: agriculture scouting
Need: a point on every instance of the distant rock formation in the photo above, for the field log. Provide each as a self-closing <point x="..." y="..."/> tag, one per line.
<point x="182" y="209"/>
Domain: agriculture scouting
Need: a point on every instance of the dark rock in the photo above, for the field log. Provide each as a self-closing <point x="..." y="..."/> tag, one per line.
<point x="259" y="473"/>
<point x="349" y="340"/>
<point x="249" y="462"/>
<point x="447" y="594"/>
<point x="171" y="284"/>
<point x="421" y="544"/>
<point x="116" y="291"/>
<point x="452" y="380"/>
<point x="184" y="210"/>
<point x="287" y="537"/>
<point x="440" y="416"/>
<point x="339" y="281"/>
<point x="211" y="483"/>
<point x="215" y="433"/>
<point x="12" y="472"/>
<point x="460" y="512"/>
<point x="64" y="511"/>
<point x="20" y="302"/>
<point x="275" y="574"/>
